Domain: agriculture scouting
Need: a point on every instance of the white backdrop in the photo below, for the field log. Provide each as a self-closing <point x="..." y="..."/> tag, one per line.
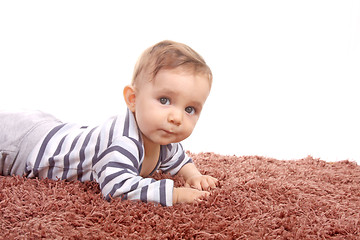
<point x="286" y="73"/>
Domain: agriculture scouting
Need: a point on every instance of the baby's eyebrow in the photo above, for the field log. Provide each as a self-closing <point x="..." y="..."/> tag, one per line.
<point x="197" y="105"/>
<point x="168" y="91"/>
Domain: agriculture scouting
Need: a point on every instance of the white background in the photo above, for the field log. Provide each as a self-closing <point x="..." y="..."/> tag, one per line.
<point x="286" y="73"/>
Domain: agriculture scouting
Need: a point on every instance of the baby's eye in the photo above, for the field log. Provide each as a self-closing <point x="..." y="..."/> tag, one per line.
<point x="190" y="110"/>
<point x="164" y="101"/>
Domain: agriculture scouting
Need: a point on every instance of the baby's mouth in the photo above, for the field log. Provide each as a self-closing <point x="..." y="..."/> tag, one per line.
<point x="168" y="131"/>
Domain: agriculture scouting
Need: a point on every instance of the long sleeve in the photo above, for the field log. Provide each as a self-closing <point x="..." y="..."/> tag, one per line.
<point x="117" y="172"/>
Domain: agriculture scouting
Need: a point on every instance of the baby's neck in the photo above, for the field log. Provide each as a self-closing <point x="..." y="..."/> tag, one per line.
<point x="151" y="157"/>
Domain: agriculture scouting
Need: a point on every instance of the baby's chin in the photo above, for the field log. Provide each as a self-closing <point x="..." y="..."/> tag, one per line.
<point x="167" y="142"/>
<point x="165" y="139"/>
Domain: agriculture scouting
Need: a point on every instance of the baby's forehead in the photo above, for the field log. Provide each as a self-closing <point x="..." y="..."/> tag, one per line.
<point x="169" y="74"/>
<point x="183" y="71"/>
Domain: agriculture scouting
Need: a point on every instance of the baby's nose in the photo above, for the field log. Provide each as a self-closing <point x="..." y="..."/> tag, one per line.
<point x="175" y="117"/>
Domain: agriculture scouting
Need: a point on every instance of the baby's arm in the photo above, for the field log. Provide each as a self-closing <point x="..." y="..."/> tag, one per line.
<point x="195" y="183"/>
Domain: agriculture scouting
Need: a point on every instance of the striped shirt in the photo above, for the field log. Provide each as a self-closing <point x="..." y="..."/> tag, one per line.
<point x="110" y="154"/>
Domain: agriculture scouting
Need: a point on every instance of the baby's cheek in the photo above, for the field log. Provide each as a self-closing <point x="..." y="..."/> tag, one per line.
<point x="188" y="130"/>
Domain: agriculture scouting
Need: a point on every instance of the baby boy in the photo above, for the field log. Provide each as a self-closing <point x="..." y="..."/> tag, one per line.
<point x="170" y="85"/>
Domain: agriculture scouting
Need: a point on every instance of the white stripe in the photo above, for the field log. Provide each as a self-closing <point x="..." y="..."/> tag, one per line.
<point x="153" y="194"/>
<point x="169" y="192"/>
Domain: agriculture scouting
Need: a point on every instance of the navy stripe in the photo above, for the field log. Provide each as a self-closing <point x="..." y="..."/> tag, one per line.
<point x="179" y="161"/>
<point x="110" y="178"/>
<point x="82" y="154"/>
<point x="95" y="158"/>
<point x="164" y="161"/>
<point x="111" y="132"/>
<point x="163" y="192"/>
<point x="52" y="161"/>
<point x="117" y="165"/>
<point x="43" y="147"/>
<point x="143" y="193"/>
<point x="134" y="186"/>
<point x="67" y="156"/>
<point x="126" y="124"/>
<point x="123" y="151"/>
<point x="139" y="146"/>
<point x="125" y="195"/>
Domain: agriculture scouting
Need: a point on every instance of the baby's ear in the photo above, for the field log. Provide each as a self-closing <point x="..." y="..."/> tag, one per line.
<point x="129" y="96"/>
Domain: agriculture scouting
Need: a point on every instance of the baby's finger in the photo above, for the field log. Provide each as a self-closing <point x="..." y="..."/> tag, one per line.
<point x="197" y="186"/>
<point x="214" y="182"/>
<point x="203" y="195"/>
<point x="206" y="194"/>
<point x="204" y="184"/>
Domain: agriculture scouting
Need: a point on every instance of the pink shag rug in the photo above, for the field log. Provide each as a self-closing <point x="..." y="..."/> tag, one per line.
<point x="259" y="198"/>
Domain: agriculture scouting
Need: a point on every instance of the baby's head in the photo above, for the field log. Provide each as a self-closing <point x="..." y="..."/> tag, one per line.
<point x="168" y="55"/>
<point x="170" y="85"/>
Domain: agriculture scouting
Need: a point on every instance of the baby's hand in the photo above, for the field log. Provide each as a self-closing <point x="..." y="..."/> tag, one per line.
<point x="201" y="182"/>
<point x="187" y="195"/>
<point x="194" y="179"/>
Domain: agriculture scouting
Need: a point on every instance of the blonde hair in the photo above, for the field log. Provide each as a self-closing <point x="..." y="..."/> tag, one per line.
<point x="168" y="55"/>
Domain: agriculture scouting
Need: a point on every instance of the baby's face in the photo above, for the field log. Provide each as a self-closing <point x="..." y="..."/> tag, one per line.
<point x="167" y="108"/>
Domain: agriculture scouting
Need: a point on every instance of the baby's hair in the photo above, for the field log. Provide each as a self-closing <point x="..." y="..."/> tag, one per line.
<point x="168" y="55"/>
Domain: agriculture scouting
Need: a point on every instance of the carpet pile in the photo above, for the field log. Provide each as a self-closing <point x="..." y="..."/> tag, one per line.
<point x="258" y="198"/>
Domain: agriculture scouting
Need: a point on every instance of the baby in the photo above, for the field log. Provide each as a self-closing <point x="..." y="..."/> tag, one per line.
<point x="170" y="85"/>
